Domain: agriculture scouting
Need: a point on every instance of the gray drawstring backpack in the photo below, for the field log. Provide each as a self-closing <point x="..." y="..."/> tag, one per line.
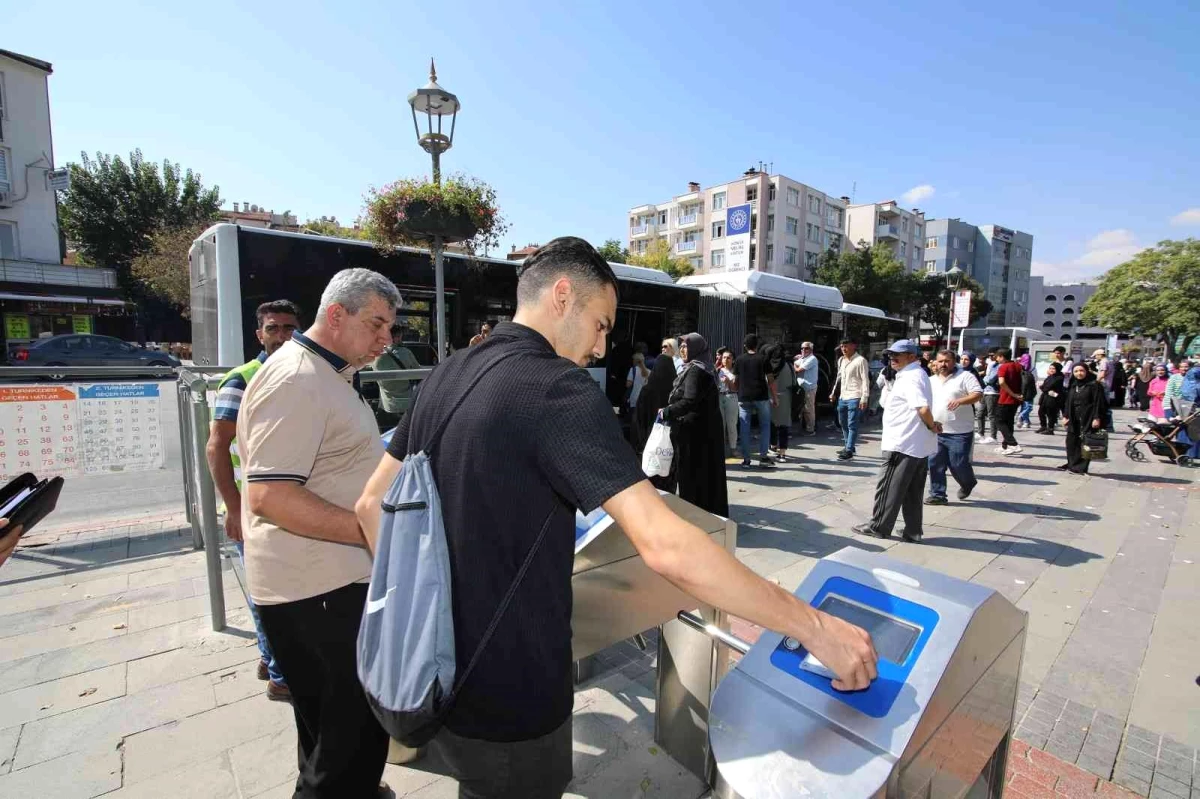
<point x="406" y="657"/>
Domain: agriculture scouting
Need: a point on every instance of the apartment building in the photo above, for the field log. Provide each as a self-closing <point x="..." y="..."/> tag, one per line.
<point x="1055" y="310"/>
<point x="901" y="230"/>
<point x="998" y="258"/>
<point x="28" y="213"/>
<point x="791" y="224"/>
<point x="249" y="215"/>
<point x="40" y="295"/>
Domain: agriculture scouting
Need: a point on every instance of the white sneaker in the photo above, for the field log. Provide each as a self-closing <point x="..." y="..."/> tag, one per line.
<point x="1013" y="450"/>
<point x="985" y="440"/>
<point x="1000" y="451"/>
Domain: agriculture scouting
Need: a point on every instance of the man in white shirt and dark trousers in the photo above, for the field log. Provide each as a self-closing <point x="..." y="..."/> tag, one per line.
<point x="955" y="390"/>
<point x="909" y="438"/>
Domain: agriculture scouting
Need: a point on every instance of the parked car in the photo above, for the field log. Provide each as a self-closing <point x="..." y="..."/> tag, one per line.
<point x="90" y="350"/>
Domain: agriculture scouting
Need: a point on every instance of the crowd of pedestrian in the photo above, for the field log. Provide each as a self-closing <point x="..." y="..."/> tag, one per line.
<point x="296" y="456"/>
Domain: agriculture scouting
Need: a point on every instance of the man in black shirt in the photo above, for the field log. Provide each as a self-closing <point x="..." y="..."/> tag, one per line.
<point x="560" y="449"/>
<point x="756" y="394"/>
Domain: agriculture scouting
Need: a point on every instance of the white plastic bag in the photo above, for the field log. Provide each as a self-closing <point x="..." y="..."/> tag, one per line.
<point x="659" y="452"/>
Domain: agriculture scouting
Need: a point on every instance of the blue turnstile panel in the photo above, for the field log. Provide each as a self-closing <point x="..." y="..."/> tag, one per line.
<point x="899" y="628"/>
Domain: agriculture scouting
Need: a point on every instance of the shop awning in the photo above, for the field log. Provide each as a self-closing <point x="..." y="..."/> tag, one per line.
<point x="4" y="295"/>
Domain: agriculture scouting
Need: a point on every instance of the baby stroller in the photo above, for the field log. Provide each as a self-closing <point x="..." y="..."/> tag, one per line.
<point x="1159" y="437"/>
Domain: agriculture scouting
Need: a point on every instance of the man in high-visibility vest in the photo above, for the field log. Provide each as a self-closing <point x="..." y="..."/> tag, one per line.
<point x="276" y="321"/>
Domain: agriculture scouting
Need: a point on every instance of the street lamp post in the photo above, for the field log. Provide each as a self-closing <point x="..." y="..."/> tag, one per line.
<point x="433" y="101"/>
<point x="953" y="279"/>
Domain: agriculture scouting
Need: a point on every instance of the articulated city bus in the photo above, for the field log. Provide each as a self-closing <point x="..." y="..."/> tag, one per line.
<point x="235" y="268"/>
<point x="790" y="311"/>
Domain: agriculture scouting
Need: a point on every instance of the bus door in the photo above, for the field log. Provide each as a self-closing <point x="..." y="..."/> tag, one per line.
<point x="632" y="326"/>
<point x="825" y="341"/>
<point x="416" y="315"/>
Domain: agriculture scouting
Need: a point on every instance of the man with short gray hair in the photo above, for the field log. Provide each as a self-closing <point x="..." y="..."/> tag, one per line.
<point x="308" y="445"/>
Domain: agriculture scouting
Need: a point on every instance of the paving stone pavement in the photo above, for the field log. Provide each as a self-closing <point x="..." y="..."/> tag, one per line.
<point x="114" y="683"/>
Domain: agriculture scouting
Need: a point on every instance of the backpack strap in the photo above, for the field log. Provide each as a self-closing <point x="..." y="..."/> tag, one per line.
<point x="497" y="616"/>
<point x="441" y="428"/>
<point x="521" y="572"/>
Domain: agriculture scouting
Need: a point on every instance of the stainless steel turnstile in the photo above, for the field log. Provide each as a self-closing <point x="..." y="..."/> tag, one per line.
<point x="617" y="596"/>
<point x="936" y="723"/>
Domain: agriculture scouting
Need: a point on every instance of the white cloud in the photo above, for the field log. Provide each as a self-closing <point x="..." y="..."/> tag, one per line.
<point x="1110" y="239"/>
<point x="918" y="194"/>
<point x="1102" y="252"/>
<point x="1189" y="217"/>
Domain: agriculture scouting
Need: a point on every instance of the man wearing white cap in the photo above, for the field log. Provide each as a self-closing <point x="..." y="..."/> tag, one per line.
<point x="807" y="367"/>
<point x="909" y="438"/>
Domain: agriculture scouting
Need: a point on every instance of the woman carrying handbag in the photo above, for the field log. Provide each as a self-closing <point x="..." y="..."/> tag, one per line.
<point x="1085" y="411"/>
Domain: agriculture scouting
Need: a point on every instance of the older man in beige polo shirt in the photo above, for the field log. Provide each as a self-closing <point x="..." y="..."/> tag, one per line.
<point x="308" y="445"/>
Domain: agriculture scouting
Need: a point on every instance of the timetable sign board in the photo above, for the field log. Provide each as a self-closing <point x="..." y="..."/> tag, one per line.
<point x="80" y="428"/>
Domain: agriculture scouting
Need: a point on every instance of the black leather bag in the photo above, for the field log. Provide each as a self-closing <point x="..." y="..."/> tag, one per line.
<point x="1095" y="446"/>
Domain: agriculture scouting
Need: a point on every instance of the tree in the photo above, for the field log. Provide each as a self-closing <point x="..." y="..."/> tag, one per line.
<point x="869" y="276"/>
<point x="1154" y="293"/>
<point x="658" y="256"/>
<point x="163" y="267"/>
<point x="113" y="209"/>
<point x="112" y="214"/>
<point x="932" y="296"/>
<point x="612" y="251"/>
<point x="329" y="226"/>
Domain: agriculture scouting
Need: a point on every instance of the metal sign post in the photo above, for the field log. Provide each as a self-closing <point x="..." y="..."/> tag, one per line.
<point x="207" y="504"/>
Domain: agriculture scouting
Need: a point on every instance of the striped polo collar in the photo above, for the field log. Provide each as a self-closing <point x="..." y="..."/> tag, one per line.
<point x="338" y="363"/>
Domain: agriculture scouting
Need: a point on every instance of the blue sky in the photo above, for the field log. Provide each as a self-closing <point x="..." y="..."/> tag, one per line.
<point x="1076" y="124"/>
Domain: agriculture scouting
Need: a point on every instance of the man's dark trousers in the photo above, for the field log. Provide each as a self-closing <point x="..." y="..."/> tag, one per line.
<point x="954" y="449"/>
<point x="1006" y="417"/>
<point x="341" y="748"/>
<point x="900" y="488"/>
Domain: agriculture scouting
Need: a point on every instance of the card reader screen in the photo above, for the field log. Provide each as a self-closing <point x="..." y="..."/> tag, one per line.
<point x="893" y="638"/>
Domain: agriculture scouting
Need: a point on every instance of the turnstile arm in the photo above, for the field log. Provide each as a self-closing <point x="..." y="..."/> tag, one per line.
<point x="713" y="631"/>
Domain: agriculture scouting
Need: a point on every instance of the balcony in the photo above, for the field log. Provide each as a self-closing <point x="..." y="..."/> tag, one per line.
<point x="687" y="247"/>
<point x="689" y="221"/>
<point x="883" y="232"/>
<point x="13" y="271"/>
<point x="888" y="209"/>
<point x="639" y="232"/>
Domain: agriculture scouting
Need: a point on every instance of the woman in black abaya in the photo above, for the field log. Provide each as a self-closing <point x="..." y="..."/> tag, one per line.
<point x="694" y="413"/>
<point x="1085" y="410"/>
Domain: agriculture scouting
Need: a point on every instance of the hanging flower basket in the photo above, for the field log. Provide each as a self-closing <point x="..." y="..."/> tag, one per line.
<point x="423" y="220"/>
<point x="412" y="212"/>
